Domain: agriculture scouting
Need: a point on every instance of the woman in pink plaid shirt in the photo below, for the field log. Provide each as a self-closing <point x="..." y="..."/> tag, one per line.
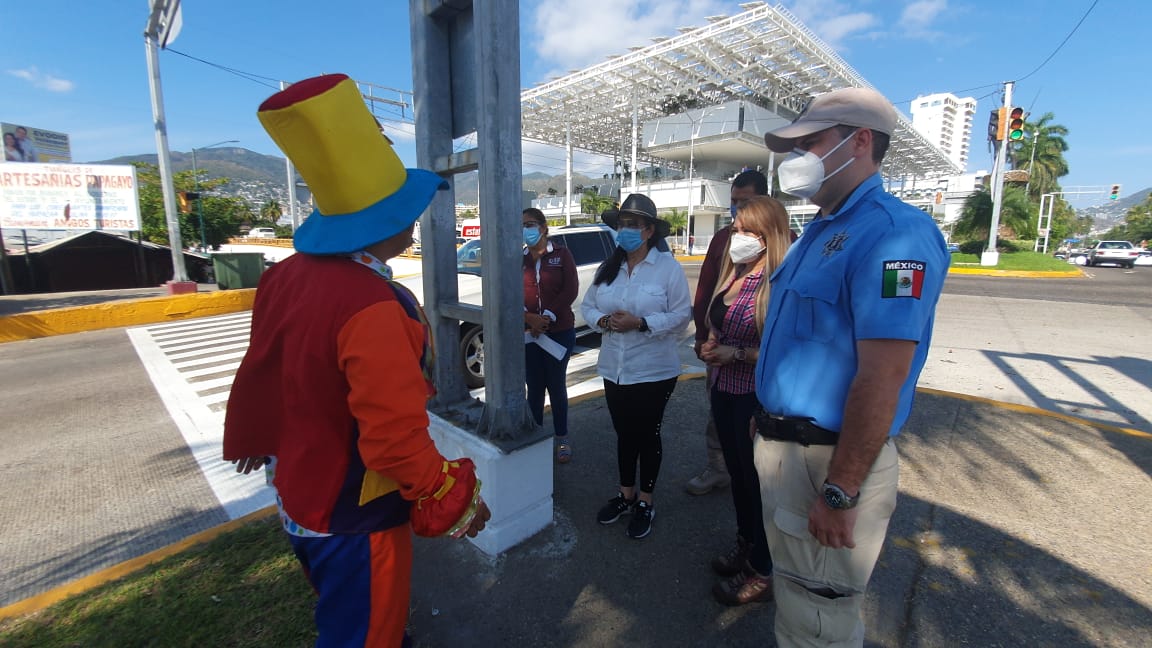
<point x="760" y="238"/>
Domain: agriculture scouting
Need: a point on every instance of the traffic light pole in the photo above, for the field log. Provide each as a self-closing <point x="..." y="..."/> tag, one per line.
<point x="991" y="257"/>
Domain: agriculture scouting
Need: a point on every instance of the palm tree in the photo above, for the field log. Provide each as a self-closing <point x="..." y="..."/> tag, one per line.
<point x="677" y="220"/>
<point x="1049" y="164"/>
<point x="1016" y="214"/>
<point x="593" y="203"/>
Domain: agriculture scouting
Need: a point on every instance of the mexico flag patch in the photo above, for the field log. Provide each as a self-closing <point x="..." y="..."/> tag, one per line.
<point x="903" y="278"/>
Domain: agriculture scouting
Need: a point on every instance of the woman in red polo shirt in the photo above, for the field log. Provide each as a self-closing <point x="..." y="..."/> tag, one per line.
<point x="550" y="287"/>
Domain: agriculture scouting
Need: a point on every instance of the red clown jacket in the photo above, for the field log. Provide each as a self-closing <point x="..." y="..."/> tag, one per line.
<point x="333" y="386"/>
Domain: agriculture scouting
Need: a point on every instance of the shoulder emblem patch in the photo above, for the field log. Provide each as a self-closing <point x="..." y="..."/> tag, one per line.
<point x="834" y="244"/>
<point x="903" y="278"/>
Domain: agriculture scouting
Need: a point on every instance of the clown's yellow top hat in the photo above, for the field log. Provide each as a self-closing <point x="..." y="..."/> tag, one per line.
<point x="363" y="193"/>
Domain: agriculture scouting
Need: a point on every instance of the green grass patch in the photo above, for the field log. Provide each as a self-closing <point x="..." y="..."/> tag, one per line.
<point x="1033" y="261"/>
<point x="243" y="588"/>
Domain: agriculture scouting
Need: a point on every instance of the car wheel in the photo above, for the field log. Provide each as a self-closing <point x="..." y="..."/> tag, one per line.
<point x="472" y="357"/>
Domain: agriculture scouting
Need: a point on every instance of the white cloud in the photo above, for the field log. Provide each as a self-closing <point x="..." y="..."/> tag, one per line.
<point x="571" y="36"/>
<point x="43" y="81"/>
<point x="917" y="18"/>
<point x="833" y="21"/>
<point x="399" y="131"/>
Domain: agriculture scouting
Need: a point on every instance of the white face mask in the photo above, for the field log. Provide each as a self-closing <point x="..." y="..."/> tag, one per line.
<point x="744" y="248"/>
<point x="802" y="174"/>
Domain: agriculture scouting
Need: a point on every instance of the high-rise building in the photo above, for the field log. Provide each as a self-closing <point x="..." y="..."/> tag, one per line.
<point x="946" y="120"/>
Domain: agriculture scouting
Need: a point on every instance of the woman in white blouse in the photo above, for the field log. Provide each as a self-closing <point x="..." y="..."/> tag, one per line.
<point x="639" y="301"/>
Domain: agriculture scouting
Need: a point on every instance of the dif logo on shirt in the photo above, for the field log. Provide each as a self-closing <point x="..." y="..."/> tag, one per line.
<point x="903" y="278"/>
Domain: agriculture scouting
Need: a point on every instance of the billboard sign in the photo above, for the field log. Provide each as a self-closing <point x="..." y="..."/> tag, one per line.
<point x="69" y="197"/>
<point x="30" y="144"/>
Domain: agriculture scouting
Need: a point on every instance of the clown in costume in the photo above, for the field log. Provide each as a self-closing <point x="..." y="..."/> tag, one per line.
<point x="334" y="384"/>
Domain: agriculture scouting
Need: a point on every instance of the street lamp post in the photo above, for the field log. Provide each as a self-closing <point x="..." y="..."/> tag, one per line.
<point x="199" y="200"/>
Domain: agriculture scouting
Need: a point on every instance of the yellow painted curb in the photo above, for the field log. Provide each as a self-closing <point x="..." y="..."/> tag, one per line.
<point x="92" y="581"/>
<point x="1031" y="274"/>
<point x="62" y="321"/>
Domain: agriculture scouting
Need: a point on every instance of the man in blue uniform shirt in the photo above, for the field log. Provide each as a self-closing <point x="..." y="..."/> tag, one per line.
<point x="847" y="332"/>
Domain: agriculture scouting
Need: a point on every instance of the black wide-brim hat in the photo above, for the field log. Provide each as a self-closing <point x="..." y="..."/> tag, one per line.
<point x="640" y="205"/>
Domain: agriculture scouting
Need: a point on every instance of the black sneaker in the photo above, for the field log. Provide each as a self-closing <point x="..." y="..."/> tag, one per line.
<point x="615" y="507"/>
<point x="641" y="524"/>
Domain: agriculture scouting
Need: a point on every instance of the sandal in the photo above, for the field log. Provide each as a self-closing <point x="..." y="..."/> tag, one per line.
<point x="563" y="452"/>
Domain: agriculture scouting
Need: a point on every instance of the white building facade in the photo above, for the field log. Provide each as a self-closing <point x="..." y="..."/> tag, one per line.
<point x="946" y="121"/>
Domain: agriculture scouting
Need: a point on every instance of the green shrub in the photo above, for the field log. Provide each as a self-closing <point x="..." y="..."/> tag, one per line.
<point x="1005" y="246"/>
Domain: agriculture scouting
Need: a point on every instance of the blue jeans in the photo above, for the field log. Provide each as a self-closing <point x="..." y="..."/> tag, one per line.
<point x="544" y="372"/>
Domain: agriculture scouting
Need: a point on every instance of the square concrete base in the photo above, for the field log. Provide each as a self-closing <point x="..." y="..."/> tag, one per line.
<point x="180" y="287"/>
<point x="517" y="486"/>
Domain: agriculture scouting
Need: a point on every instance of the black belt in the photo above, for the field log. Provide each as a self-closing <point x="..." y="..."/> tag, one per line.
<point x="797" y="430"/>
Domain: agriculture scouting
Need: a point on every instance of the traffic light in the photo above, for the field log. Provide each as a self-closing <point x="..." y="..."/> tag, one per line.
<point x="996" y="125"/>
<point x="185" y="199"/>
<point x="1115" y="193"/>
<point x="1016" y="124"/>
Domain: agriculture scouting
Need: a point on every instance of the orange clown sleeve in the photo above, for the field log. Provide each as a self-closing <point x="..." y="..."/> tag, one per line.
<point x="379" y="351"/>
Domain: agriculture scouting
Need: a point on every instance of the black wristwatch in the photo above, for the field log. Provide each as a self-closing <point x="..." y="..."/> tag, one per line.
<point x="837" y="499"/>
<point x="643" y="328"/>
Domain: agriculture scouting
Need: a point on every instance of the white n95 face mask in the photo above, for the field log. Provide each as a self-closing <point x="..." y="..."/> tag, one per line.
<point x="802" y="173"/>
<point x="744" y="248"/>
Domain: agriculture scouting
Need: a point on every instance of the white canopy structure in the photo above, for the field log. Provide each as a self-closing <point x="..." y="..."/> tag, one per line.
<point x="763" y="56"/>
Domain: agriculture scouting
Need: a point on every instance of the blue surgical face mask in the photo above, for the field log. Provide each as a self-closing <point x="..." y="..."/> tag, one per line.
<point x="629" y="239"/>
<point x="531" y="236"/>
<point x="732" y="210"/>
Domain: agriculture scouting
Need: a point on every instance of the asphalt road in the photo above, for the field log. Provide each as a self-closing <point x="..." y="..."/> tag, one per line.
<point x="1081" y="346"/>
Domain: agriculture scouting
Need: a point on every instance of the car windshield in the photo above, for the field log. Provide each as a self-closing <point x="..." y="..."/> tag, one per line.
<point x="468" y="258"/>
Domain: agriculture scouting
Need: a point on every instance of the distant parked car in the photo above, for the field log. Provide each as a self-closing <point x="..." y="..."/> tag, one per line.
<point x="262" y="232"/>
<point x="953" y="247"/>
<point x="589" y="245"/>
<point x="1122" y="253"/>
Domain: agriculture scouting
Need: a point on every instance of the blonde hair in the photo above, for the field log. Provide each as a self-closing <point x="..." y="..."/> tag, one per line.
<point x="767" y="218"/>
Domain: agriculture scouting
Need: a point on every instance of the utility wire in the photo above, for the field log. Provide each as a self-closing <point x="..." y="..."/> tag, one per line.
<point x="255" y="78"/>
<point x="1063" y="42"/>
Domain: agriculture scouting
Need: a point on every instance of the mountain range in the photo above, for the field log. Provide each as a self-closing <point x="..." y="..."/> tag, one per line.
<point x="256" y="173"/>
<point x="259" y="178"/>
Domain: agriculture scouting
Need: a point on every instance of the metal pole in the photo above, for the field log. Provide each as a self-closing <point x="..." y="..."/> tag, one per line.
<point x="292" y="211"/>
<point x="691" y="189"/>
<point x="199" y="206"/>
<point x="179" y="273"/>
<point x="991" y="257"/>
<point x="1031" y="159"/>
<point x="568" y="174"/>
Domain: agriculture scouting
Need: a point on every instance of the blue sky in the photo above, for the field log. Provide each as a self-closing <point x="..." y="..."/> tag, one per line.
<point x="80" y="67"/>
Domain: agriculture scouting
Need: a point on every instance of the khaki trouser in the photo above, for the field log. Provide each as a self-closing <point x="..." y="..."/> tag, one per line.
<point x="791" y="476"/>
<point x="715" y="452"/>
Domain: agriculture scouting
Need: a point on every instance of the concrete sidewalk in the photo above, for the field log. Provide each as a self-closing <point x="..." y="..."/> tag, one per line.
<point x="1014" y="528"/>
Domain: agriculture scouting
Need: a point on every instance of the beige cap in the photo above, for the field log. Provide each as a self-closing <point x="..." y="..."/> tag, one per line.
<point x="859" y="107"/>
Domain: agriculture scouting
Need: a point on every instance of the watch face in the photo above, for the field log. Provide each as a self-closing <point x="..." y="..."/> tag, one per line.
<point x="834" y="498"/>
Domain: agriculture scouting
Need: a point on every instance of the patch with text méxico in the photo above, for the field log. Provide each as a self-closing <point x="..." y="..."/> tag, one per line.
<point x="903" y="278"/>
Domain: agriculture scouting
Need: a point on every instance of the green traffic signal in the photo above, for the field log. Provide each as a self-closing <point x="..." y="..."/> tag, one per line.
<point x="1016" y="124"/>
<point x="1115" y="193"/>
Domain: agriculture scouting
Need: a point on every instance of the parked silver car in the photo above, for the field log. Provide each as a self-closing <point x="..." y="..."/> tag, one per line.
<point x="590" y="245"/>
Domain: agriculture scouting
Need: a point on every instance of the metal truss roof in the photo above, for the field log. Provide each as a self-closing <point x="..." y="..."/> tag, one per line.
<point x="764" y="55"/>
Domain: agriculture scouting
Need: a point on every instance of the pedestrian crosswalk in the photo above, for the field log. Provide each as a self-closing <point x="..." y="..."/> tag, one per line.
<point x="192" y="364"/>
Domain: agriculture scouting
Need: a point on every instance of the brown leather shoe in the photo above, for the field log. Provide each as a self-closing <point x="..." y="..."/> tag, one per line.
<point x="735" y="561"/>
<point x="745" y="587"/>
